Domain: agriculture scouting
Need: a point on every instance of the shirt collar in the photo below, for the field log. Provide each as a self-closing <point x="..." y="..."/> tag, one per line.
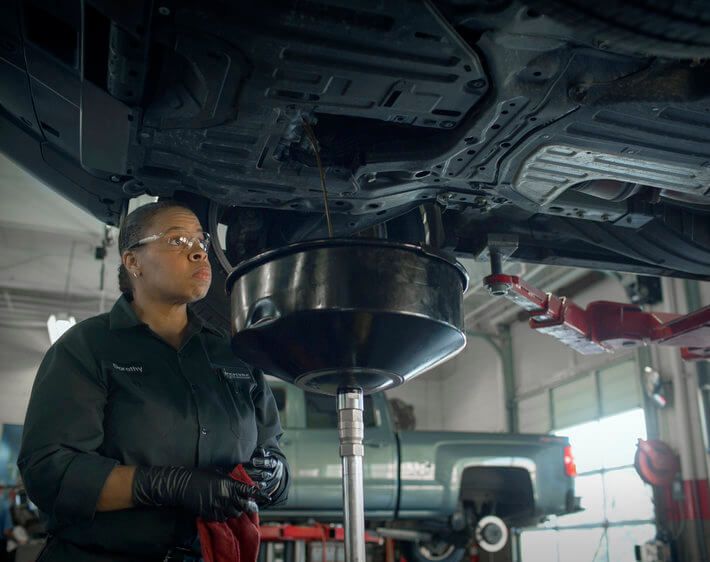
<point x="123" y="316"/>
<point x="200" y="324"/>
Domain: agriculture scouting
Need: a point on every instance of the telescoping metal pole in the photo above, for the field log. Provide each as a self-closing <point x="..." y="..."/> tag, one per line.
<point x="351" y="432"/>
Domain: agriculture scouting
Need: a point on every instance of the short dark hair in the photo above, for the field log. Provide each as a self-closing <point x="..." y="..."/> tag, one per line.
<point x="133" y="228"/>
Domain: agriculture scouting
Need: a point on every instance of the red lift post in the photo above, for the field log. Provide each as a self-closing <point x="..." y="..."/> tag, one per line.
<point x="296" y="539"/>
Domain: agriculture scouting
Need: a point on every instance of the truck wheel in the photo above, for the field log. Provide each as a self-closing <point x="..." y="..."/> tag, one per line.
<point x="491" y="533"/>
<point x="434" y="551"/>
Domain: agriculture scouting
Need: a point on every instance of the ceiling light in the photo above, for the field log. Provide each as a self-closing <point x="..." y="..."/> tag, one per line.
<point x="58" y="324"/>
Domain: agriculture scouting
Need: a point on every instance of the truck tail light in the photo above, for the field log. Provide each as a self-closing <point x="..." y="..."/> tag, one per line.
<point x="570" y="467"/>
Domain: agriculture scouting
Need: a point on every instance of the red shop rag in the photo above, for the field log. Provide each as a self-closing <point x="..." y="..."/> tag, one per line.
<point x="234" y="540"/>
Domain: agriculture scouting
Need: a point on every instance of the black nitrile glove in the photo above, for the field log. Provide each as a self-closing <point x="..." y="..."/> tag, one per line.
<point x="208" y="493"/>
<point x="267" y="471"/>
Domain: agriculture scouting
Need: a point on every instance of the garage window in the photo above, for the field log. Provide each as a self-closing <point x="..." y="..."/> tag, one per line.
<point x="534" y="413"/>
<point x="600" y="413"/>
<point x="575" y="402"/>
<point x="589" y="396"/>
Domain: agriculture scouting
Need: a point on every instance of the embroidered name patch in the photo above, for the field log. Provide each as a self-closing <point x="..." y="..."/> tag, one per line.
<point x="127" y="368"/>
<point x="236" y="375"/>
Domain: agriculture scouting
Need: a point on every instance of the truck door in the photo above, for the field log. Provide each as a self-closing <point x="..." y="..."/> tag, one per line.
<point x="317" y="468"/>
<point x="289" y="402"/>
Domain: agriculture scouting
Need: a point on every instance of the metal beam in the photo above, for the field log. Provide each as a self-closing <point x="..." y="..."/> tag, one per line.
<point x="506" y="357"/>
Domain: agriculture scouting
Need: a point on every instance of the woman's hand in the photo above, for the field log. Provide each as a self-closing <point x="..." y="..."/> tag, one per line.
<point x="266" y="471"/>
<point x="208" y="493"/>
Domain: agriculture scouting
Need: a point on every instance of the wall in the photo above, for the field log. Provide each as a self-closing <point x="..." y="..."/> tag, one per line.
<point x="21" y="351"/>
<point x="424" y="393"/>
<point x="463" y="394"/>
<point x="473" y="391"/>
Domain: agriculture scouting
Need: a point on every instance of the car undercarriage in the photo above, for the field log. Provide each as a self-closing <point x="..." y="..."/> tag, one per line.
<point x="468" y="118"/>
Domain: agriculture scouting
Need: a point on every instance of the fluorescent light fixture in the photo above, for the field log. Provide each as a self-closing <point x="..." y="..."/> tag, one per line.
<point x="58" y="324"/>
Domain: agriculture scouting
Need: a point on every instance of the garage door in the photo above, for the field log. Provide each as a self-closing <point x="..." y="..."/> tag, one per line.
<point x="601" y="414"/>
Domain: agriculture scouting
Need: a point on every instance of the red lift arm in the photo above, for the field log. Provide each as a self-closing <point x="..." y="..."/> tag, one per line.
<point x="605" y="326"/>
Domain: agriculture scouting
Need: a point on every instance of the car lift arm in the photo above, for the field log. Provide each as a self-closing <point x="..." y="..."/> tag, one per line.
<point x="603" y="326"/>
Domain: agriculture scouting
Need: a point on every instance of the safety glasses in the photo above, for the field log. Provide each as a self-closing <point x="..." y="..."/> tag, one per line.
<point x="179" y="241"/>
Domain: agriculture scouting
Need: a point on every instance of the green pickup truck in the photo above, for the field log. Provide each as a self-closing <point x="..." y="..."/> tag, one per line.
<point x="428" y="488"/>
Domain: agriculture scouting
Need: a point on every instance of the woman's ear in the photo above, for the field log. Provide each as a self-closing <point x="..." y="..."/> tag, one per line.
<point x="130" y="262"/>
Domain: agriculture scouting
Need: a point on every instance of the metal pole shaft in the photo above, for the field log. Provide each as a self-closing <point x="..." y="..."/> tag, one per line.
<point x="351" y="431"/>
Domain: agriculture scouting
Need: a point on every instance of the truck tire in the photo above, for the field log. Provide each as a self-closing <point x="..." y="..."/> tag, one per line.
<point x="436" y="551"/>
<point x="679" y="29"/>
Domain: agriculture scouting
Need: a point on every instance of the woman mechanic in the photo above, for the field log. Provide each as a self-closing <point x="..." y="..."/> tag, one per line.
<point x="137" y="416"/>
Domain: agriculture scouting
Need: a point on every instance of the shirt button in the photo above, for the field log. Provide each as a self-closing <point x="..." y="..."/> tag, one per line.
<point x="203" y="430"/>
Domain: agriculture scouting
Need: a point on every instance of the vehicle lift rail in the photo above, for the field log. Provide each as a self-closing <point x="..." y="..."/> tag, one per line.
<point x="603" y="326"/>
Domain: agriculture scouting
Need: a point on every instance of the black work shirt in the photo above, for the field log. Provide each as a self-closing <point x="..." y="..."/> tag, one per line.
<point x="111" y="392"/>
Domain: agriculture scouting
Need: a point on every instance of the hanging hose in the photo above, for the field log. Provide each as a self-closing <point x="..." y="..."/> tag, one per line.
<point x="314" y="143"/>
